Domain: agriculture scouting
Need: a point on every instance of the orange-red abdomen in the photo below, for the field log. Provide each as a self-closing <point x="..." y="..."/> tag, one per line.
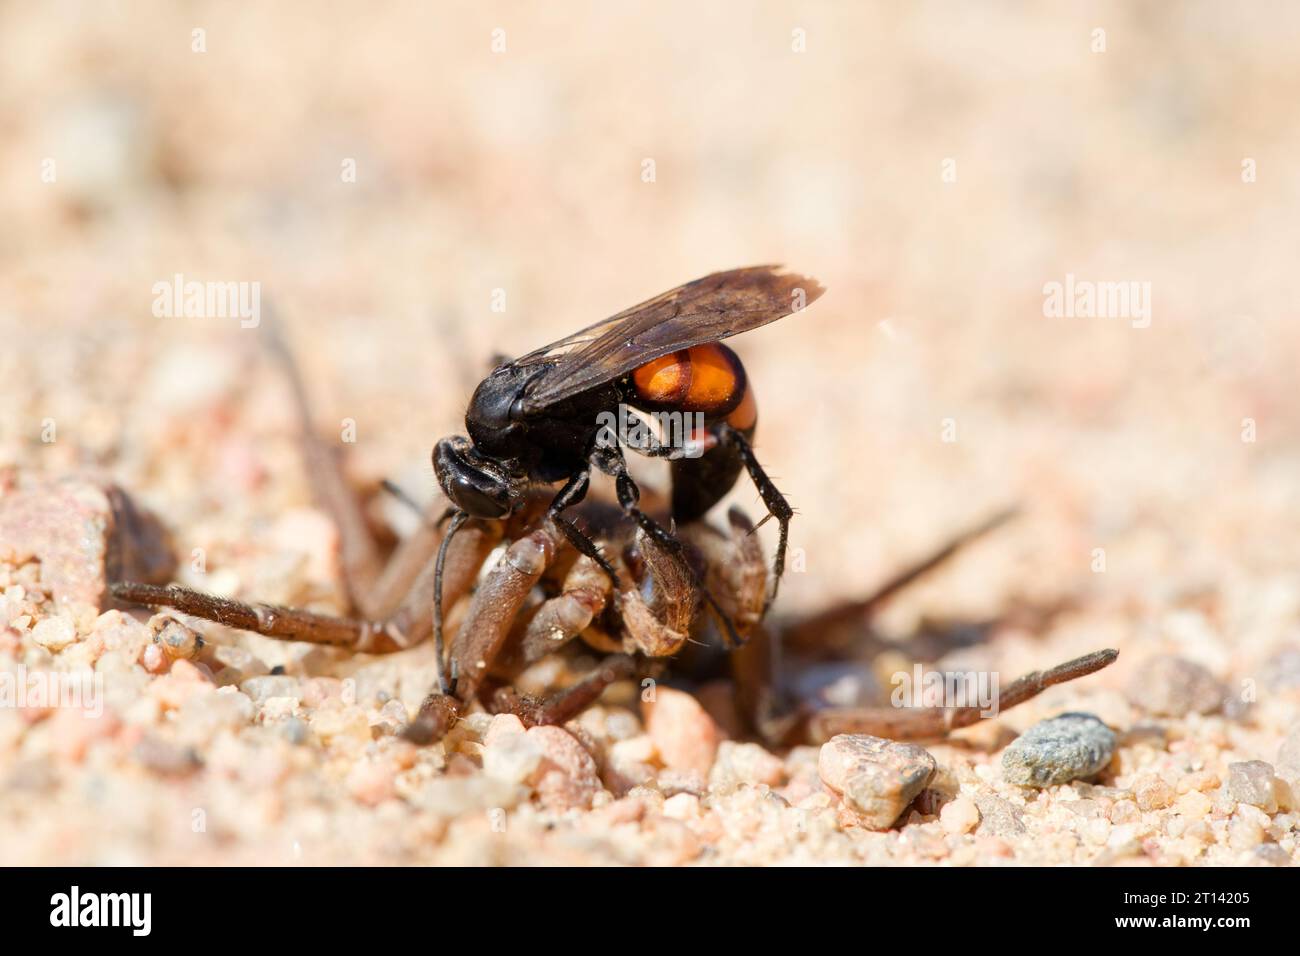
<point x="704" y="378"/>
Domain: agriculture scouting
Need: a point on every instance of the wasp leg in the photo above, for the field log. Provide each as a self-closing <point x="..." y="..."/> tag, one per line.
<point x="573" y="492"/>
<point x="567" y="704"/>
<point x="777" y="506"/>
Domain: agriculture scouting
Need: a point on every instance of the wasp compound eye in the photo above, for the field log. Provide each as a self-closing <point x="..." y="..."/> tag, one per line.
<point x="475" y="501"/>
<point x="471" y="487"/>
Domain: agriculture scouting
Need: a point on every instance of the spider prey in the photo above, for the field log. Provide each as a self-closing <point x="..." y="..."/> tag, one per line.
<point x="504" y="627"/>
<point x="626" y="587"/>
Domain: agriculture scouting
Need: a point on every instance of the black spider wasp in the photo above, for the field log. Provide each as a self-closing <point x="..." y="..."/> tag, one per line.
<point x="537" y="419"/>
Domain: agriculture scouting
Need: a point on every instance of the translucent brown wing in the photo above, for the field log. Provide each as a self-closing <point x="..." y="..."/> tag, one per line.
<point x="706" y="310"/>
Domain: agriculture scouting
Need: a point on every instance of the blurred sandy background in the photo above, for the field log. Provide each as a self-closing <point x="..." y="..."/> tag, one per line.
<point x="522" y="170"/>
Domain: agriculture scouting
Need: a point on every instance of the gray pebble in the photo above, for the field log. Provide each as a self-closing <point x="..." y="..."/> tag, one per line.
<point x="260" y="689"/>
<point x="999" y="817"/>
<point x="1173" y="686"/>
<point x="165" y="757"/>
<point x="1288" y="755"/>
<point x="1251" y="781"/>
<point x="295" y="731"/>
<point x="1282" y="670"/>
<point x="1270" y="854"/>
<point x="1065" y="748"/>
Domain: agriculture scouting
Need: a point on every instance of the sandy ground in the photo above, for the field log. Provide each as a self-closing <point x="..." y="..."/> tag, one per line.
<point x="1155" y="463"/>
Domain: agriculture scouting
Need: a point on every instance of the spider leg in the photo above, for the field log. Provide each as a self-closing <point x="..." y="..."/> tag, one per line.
<point x="495" y="606"/>
<point x="560" y="619"/>
<point x="359" y="557"/>
<point x="409" y="624"/>
<point x="484" y="631"/>
<point x="902" y="723"/>
<point x="566" y="704"/>
<point x="270" y="620"/>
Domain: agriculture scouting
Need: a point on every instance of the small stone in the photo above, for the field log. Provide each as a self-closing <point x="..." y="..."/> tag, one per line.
<point x="1270" y="854"/>
<point x="959" y="816"/>
<point x="174" y="638"/>
<point x="371" y="783"/>
<point x="278" y="708"/>
<point x="1283" y="669"/>
<point x="568" y="772"/>
<point x="511" y="757"/>
<point x="262" y="689"/>
<point x="154" y="660"/>
<point x="1202" y="780"/>
<point x="1194" y="804"/>
<point x="875" y="778"/>
<point x="340" y="722"/>
<point x="392" y="718"/>
<point x="1065" y="748"/>
<point x="1173" y="686"/>
<point x="316" y="690"/>
<point x="1152" y="793"/>
<point x="1125" y="811"/>
<point x="1245" y="834"/>
<point x="681" y="781"/>
<point x="686" y="736"/>
<point x="165" y="757"/>
<point x="201" y="718"/>
<point x="1096" y="831"/>
<point x="1252" y="782"/>
<point x="84" y="533"/>
<point x="740" y="765"/>
<point x="1288" y="755"/>
<point x="999" y="817"/>
<point x="178" y="685"/>
<point x="234" y="665"/>
<point x="682" y="806"/>
<point x="1200" y="830"/>
<point x="623" y="810"/>
<point x="639" y="748"/>
<point x="627" y="764"/>
<point x="295" y="731"/>
<point x="503" y="725"/>
<point x="54" y="633"/>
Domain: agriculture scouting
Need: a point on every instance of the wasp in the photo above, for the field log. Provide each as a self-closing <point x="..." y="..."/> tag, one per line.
<point x="542" y="419"/>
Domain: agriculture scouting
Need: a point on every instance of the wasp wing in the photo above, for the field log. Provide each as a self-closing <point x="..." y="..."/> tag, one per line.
<point x="706" y="310"/>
